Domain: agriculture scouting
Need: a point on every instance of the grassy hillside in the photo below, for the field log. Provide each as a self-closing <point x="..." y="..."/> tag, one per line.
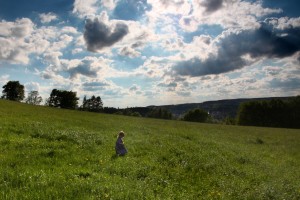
<point x="48" y="153"/>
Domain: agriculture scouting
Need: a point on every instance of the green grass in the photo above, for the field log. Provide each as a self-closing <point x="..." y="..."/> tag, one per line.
<point x="48" y="153"/>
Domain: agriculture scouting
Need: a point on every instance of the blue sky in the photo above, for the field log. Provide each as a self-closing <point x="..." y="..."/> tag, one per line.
<point x="152" y="52"/>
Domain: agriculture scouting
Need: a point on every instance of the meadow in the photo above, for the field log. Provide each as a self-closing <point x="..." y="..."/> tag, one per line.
<point x="50" y="153"/>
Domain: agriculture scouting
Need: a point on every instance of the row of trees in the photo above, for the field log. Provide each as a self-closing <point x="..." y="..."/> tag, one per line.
<point x="13" y="90"/>
<point x="270" y="113"/>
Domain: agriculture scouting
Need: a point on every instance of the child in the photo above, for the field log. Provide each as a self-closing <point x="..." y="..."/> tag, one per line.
<point x="120" y="147"/>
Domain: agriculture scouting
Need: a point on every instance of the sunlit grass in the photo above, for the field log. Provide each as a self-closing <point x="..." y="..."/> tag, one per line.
<point x="50" y="153"/>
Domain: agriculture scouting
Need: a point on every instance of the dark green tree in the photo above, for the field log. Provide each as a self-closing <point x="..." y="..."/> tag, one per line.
<point x="13" y="90"/>
<point x="294" y="112"/>
<point x="94" y="104"/>
<point x="160" y="113"/>
<point x="34" y="98"/>
<point x="196" y="115"/>
<point x="270" y="113"/>
<point x="63" y="99"/>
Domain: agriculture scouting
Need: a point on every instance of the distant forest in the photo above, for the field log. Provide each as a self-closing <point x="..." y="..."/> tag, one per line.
<point x="270" y="111"/>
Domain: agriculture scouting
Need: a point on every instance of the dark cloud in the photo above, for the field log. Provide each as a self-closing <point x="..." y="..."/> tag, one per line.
<point x="131" y="9"/>
<point x="170" y="86"/>
<point x="263" y="42"/>
<point x="94" y="86"/>
<point x="97" y="35"/>
<point x="212" y="5"/>
<point x="137" y="44"/>
<point x="133" y="88"/>
<point x="83" y="68"/>
<point x="125" y="51"/>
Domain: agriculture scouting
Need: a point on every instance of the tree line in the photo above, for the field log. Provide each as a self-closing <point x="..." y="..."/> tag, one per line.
<point x="14" y="91"/>
<point x="269" y="113"/>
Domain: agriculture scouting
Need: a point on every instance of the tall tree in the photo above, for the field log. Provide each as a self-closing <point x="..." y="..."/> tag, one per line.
<point x="34" y="98"/>
<point x="94" y="104"/>
<point x="13" y="90"/>
<point x="160" y="113"/>
<point x="196" y="115"/>
<point x="63" y="99"/>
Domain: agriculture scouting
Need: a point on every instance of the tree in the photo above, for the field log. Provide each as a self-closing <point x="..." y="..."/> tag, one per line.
<point x="34" y="98"/>
<point x="63" y="99"/>
<point x="13" y="90"/>
<point x="94" y="104"/>
<point x="270" y="113"/>
<point x="196" y="115"/>
<point x="160" y="113"/>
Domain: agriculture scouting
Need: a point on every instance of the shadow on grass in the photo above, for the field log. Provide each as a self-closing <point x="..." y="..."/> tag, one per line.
<point x="116" y="156"/>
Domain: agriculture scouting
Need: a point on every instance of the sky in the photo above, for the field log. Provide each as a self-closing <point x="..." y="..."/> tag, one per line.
<point x="152" y="52"/>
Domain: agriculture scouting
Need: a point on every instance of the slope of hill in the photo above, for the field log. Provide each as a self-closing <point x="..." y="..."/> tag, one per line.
<point x="48" y="153"/>
<point x="219" y="109"/>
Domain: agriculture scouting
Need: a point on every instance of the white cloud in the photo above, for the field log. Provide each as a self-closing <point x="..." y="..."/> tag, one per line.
<point x="232" y="14"/>
<point x="47" y="17"/>
<point x="69" y="30"/>
<point x="21" y="38"/>
<point x="130" y="52"/>
<point x="77" y="50"/>
<point x="4" y="79"/>
<point x="284" y="22"/>
<point x="180" y="7"/>
<point x="110" y="4"/>
<point x="32" y="86"/>
<point x="52" y="58"/>
<point x="18" y="30"/>
<point x="84" y="8"/>
<point x="13" y="44"/>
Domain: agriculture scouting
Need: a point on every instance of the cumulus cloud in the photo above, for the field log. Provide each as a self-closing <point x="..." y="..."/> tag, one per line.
<point x="180" y="7"/>
<point x="272" y="70"/>
<point x="32" y="86"/>
<point x="284" y="22"/>
<point x="53" y="58"/>
<point x="47" y="17"/>
<point x="21" y="38"/>
<point x="170" y="86"/>
<point x="85" y="8"/>
<point x="4" y="79"/>
<point x="228" y="14"/>
<point x="130" y="52"/>
<point x="110" y="4"/>
<point x="13" y="43"/>
<point x="77" y="50"/>
<point x="212" y="5"/>
<point x="84" y="68"/>
<point x="134" y="88"/>
<point x="98" y="35"/>
<point x="235" y="48"/>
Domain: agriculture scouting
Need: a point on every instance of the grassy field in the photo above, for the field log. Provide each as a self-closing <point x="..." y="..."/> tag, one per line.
<point x="48" y="153"/>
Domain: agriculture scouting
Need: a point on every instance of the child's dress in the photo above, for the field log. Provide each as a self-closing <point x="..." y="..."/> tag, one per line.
<point x="120" y="147"/>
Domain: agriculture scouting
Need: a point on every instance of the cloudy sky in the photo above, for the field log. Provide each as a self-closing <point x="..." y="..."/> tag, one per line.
<point x="152" y="52"/>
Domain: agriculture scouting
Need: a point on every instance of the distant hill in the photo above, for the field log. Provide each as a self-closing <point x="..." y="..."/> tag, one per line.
<point x="219" y="109"/>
